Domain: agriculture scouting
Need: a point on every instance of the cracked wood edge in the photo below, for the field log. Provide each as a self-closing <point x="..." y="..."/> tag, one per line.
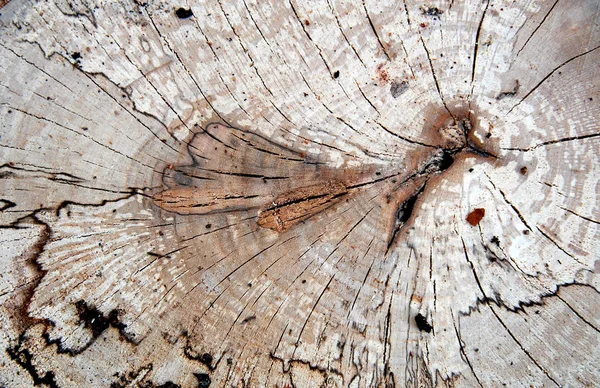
<point x="446" y="255"/>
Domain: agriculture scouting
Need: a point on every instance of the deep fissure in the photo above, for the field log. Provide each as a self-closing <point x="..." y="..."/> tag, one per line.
<point x="457" y="137"/>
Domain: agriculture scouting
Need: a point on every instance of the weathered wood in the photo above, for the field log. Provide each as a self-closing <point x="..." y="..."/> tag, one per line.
<point x="300" y="194"/>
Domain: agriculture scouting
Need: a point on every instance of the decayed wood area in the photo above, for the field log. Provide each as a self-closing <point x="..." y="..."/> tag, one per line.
<point x="300" y="194"/>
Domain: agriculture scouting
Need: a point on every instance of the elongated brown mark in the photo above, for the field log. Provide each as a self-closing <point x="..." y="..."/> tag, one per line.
<point x="292" y="207"/>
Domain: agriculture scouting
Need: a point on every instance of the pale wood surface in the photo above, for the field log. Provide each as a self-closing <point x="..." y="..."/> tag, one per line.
<point x="300" y="194"/>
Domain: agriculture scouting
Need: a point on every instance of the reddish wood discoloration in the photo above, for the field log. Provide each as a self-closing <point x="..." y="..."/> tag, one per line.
<point x="475" y="217"/>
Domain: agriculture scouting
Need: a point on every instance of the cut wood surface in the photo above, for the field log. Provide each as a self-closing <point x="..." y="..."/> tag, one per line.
<point x="332" y="193"/>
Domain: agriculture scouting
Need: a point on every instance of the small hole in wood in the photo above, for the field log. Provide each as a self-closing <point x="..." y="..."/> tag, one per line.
<point x="183" y="13"/>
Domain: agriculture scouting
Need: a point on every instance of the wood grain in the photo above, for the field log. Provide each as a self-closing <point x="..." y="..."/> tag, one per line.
<point x="282" y="193"/>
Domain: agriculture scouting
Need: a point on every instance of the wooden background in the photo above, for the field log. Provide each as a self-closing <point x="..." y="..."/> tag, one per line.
<point x="300" y="193"/>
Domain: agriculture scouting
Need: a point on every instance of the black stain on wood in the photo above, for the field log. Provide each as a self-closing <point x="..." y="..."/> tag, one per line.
<point x="93" y="319"/>
<point x="184" y="13"/>
<point x="97" y="323"/>
<point x="336" y="74"/>
<point x="206" y="359"/>
<point x="169" y="384"/>
<point x="203" y="380"/>
<point x="432" y="11"/>
<point x="22" y="356"/>
<point x="422" y="323"/>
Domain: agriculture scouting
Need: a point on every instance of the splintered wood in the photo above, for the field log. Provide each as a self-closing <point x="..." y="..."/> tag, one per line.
<point x="290" y="208"/>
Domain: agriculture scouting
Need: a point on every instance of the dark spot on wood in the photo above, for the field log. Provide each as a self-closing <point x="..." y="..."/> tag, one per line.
<point x="378" y="173"/>
<point x="488" y="135"/>
<point x="75" y="55"/>
<point x="404" y="213"/>
<point x="92" y="318"/>
<point x="523" y="170"/>
<point x="183" y="13"/>
<point x="495" y="240"/>
<point x="206" y="359"/>
<point x="422" y="323"/>
<point x="406" y="209"/>
<point x="84" y="128"/>
<point x="526" y="232"/>
<point x="476" y="216"/>
<point x="303" y="281"/>
<point x="307" y="22"/>
<point x="203" y="380"/>
<point x="446" y="161"/>
<point x="168" y="384"/>
<point x="336" y="74"/>
<point x="398" y="88"/>
<point x="432" y="11"/>
<point x="248" y="319"/>
<point x="471" y="170"/>
<point x="208" y="226"/>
